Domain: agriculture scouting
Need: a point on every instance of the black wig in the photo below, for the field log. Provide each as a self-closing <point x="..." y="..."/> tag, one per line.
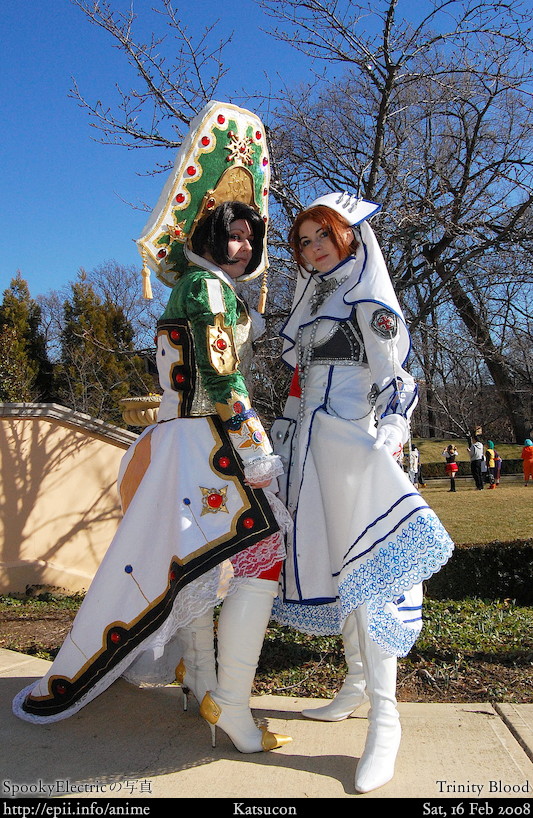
<point x="212" y="234"/>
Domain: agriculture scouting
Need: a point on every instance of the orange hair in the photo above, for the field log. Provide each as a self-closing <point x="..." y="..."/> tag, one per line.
<point x="331" y="221"/>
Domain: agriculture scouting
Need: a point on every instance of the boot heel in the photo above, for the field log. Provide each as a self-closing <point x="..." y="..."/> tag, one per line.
<point x="241" y="630"/>
<point x="210" y="711"/>
<point x="185" y="691"/>
<point x="180" y="678"/>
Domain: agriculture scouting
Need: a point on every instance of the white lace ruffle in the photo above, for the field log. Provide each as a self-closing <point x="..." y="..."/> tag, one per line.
<point x="161" y="653"/>
<point x="283" y="518"/>
<point x="260" y="557"/>
<point x="158" y="661"/>
<point x="95" y="691"/>
<point x="157" y="664"/>
<point x="263" y="468"/>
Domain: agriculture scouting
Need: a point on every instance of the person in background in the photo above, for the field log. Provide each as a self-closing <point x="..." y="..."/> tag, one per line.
<point x="477" y="457"/>
<point x="421" y="481"/>
<point x="414" y="466"/>
<point x="490" y="459"/>
<point x="450" y="454"/>
<point x="497" y="467"/>
<point x="527" y="461"/>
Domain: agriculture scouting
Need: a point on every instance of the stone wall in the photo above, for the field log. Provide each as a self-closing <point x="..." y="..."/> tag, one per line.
<point x="59" y="507"/>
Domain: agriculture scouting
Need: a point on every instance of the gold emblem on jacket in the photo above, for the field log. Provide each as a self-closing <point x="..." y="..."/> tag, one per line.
<point x="221" y="347"/>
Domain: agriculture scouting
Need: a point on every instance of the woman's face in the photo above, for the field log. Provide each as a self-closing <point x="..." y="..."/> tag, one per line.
<point x="239" y="248"/>
<point x="316" y="246"/>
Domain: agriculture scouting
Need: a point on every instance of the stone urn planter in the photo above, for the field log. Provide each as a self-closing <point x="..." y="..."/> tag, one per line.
<point x="140" y="411"/>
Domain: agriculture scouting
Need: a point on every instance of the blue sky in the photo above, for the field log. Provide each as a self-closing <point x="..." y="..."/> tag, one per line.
<point x="63" y="196"/>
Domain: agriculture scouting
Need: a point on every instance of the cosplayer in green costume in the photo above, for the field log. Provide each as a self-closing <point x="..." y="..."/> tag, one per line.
<point x="198" y="528"/>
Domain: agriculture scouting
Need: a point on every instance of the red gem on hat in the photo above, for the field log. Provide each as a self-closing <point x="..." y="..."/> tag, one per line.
<point x="180" y="378"/>
<point x="115" y="637"/>
<point x="175" y="335"/>
<point x="162" y="254"/>
<point x="205" y="140"/>
<point x="180" y="198"/>
<point x="221" y="119"/>
<point x="224" y="462"/>
<point x="191" y="170"/>
<point x="248" y="522"/>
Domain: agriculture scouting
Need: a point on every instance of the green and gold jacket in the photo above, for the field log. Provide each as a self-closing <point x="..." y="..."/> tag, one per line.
<point x="204" y="352"/>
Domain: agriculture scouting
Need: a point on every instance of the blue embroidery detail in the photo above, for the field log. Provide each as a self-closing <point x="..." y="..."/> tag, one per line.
<point x="394" y="636"/>
<point x="319" y="620"/>
<point x="419" y="550"/>
<point x="411" y="556"/>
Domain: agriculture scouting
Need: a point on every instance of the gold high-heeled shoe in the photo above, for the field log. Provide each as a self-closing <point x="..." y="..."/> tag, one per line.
<point x="246" y="742"/>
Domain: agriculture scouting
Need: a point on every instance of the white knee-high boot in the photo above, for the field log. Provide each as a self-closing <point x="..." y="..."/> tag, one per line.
<point x="352" y="693"/>
<point x="376" y="765"/>
<point x="241" y="630"/>
<point x="196" y="671"/>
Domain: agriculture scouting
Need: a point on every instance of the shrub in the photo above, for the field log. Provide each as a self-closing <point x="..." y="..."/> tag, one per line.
<point x="493" y="570"/>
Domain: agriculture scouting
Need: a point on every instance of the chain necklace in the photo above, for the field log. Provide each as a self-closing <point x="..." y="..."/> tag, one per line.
<point x="322" y="291"/>
<point x="304" y="355"/>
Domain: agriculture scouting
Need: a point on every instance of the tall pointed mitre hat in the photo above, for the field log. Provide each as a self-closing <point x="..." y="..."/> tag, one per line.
<point x="224" y="157"/>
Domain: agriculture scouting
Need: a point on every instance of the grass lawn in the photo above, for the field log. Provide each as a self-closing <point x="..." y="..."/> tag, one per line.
<point x="471" y="516"/>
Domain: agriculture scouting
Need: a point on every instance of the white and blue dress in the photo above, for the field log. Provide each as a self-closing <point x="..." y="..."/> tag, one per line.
<point x="362" y="533"/>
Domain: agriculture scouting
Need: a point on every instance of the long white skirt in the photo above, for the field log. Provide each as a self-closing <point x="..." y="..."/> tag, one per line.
<point x="362" y="533"/>
<point x="191" y="528"/>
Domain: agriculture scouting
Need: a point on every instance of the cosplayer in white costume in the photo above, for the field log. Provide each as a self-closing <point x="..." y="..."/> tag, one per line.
<point x="363" y="538"/>
<point x="197" y="526"/>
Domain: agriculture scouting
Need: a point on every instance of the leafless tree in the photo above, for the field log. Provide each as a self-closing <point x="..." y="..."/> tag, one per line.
<point x="430" y="116"/>
<point x="113" y="283"/>
<point x="175" y="74"/>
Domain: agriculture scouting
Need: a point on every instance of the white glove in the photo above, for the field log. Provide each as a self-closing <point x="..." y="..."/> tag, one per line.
<point x="392" y="433"/>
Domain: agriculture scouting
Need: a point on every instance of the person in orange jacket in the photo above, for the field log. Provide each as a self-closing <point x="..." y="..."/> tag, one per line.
<point x="527" y="458"/>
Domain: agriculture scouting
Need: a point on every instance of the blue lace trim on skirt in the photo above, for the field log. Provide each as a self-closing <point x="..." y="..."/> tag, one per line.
<point x="418" y="550"/>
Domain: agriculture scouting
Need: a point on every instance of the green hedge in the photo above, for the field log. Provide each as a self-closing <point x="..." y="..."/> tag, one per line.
<point x="430" y="470"/>
<point x="491" y="571"/>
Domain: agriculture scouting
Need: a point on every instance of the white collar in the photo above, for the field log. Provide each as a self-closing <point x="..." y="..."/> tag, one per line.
<point x="211" y="267"/>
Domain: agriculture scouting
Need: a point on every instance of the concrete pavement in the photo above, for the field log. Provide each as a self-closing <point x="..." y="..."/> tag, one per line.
<point x="139" y="744"/>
